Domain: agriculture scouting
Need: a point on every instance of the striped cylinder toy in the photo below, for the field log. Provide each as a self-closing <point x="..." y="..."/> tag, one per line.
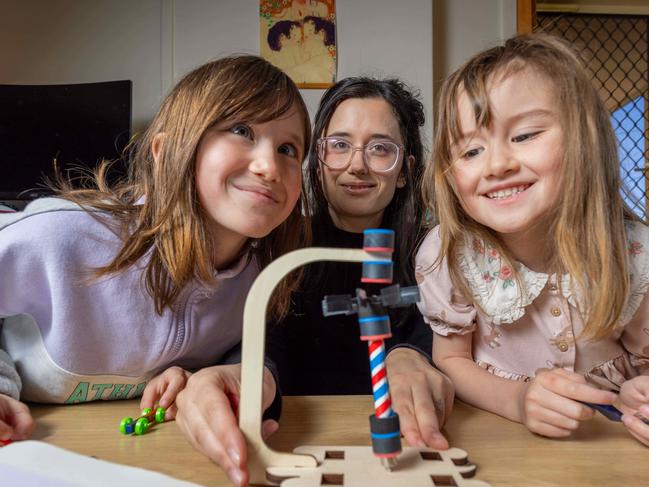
<point x="384" y="423"/>
<point x="380" y="389"/>
<point x="374" y="323"/>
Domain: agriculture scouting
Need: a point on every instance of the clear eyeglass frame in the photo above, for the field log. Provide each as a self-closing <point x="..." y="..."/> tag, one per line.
<point x="321" y="144"/>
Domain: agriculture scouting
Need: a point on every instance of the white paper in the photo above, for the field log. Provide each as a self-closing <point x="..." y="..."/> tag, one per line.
<point x="39" y="464"/>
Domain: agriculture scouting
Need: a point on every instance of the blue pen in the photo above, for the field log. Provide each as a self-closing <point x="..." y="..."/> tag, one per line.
<point x="611" y="412"/>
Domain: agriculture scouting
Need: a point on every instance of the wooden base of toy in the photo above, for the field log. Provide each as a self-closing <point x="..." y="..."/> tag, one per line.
<point x="357" y="466"/>
<point x="314" y="466"/>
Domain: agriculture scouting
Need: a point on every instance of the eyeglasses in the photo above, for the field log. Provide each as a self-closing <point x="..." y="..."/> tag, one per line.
<point x="379" y="155"/>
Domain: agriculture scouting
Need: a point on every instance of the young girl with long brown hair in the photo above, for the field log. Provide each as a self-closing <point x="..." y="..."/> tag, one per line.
<point x="535" y="279"/>
<point x="104" y="288"/>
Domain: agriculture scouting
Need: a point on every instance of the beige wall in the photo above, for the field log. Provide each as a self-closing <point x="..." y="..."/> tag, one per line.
<point x="154" y="42"/>
<point x="462" y="28"/>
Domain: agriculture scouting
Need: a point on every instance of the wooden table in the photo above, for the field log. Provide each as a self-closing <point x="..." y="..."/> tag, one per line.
<point x="602" y="453"/>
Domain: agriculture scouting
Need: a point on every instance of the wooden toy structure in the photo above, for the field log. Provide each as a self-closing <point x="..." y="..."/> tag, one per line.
<point x="310" y="466"/>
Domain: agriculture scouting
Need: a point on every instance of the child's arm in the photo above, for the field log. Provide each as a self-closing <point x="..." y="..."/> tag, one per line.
<point x="547" y="405"/>
<point x="163" y="389"/>
<point x="474" y="385"/>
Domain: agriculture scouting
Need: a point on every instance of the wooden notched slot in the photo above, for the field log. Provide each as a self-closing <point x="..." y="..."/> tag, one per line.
<point x="332" y="479"/>
<point x="334" y="455"/>
<point x="443" y="480"/>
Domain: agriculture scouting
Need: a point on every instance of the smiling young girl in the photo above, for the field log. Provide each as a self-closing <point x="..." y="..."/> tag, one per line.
<point x="105" y="288"/>
<point x="535" y="280"/>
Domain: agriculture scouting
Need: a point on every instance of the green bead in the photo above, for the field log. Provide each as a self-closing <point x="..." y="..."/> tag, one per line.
<point x="123" y="425"/>
<point x="160" y="415"/>
<point x="146" y="411"/>
<point x="141" y="426"/>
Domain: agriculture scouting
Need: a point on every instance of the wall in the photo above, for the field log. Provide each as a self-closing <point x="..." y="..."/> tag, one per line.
<point x="462" y="28"/>
<point x="154" y="42"/>
<point x="74" y="41"/>
<point x="375" y="37"/>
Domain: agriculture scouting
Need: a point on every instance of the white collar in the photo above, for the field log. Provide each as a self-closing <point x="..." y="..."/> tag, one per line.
<point x="496" y="290"/>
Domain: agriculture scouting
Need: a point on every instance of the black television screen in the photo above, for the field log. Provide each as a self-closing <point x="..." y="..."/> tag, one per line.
<point x="49" y="128"/>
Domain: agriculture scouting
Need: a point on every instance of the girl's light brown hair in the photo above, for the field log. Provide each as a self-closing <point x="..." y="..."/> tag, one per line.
<point x="157" y="207"/>
<point x="587" y="235"/>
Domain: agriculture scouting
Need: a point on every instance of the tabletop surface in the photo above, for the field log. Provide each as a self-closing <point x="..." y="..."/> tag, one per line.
<point x="601" y="453"/>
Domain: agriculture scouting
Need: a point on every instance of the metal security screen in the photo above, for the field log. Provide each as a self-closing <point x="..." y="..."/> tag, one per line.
<point x="615" y="49"/>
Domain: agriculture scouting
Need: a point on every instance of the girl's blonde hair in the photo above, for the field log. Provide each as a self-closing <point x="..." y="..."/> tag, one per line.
<point x="587" y="237"/>
<point x="157" y="207"/>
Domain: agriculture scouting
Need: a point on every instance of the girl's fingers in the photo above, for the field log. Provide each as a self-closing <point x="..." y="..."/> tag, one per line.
<point x="18" y="419"/>
<point x="550" y="414"/>
<point x="150" y="395"/>
<point x="215" y="444"/>
<point x="573" y="409"/>
<point x="549" y="430"/>
<point x="637" y="428"/>
<point x="171" y="412"/>
<point x="269" y="427"/>
<point x="176" y="385"/>
<point x="215" y="433"/>
<point x="163" y="389"/>
<point x="635" y="392"/>
<point x="644" y="410"/>
<point x="5" y="431"/>
<point x="206" y="418"/>
<point x="269" y="390"/>
<point x="555" y="417"/>
<point x="571" y="385"/>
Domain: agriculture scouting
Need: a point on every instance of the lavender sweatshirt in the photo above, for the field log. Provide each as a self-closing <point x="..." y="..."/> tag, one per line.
<point x="72" y="338"/>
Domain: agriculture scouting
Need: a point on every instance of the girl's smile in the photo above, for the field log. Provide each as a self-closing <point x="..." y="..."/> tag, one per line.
<point x="258" y="193"/>
<point x="507" y="193"/>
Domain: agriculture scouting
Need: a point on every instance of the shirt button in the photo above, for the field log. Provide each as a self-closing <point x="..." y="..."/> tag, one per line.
<point x="555" y="312"/>
<point x="563" y="346"/>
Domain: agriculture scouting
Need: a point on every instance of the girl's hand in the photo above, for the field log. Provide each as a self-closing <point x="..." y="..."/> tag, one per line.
<point x="421" y="395"/>
<point x="634" y="399"/>
<point x="548" y="404"/>
<point x="163" y="389"/>
<point x="16" y="422"/>
<point x="207" y="416"/>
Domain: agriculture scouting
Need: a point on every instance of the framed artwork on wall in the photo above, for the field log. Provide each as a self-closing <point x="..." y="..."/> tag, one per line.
<point x="299" y="36"/>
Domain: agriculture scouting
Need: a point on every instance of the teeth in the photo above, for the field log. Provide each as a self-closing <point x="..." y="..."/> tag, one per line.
<point x="506" y="193"/>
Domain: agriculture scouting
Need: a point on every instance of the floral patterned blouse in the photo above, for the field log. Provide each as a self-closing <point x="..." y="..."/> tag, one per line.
<point x="512" y="338"/>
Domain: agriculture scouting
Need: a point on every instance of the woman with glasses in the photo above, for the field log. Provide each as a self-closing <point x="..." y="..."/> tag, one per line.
<point x="363" y="172"/>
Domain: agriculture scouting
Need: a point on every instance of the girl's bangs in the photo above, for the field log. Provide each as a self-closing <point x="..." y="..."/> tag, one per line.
<point x="269" y="101"/>
<point x="266" y="105"/>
